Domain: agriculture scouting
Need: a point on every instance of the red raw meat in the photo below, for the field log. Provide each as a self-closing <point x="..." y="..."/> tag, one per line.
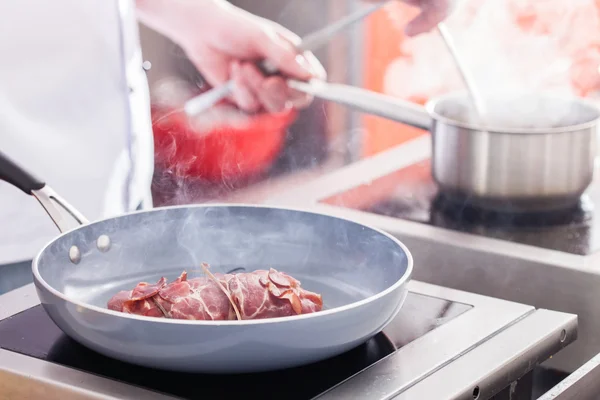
<point x="256" y="295"/>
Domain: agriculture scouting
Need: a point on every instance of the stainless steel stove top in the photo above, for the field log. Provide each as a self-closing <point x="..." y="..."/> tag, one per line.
<point x="444" y="344"/>
<point x="411" y="194"/>
<point x="551" y="263"/>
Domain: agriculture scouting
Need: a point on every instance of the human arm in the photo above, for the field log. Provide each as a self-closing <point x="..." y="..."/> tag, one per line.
<point x="432" y="12"/>
<point x="224" y="41"/>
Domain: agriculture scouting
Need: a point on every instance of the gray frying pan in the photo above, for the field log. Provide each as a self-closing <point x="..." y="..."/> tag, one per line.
<point x="361" y="273"/>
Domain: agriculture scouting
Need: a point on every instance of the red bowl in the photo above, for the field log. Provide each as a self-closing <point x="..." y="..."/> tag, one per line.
<point x="224" y="150"/>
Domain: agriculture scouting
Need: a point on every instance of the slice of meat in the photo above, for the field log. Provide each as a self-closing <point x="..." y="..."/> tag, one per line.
<point x="117" y="302"/>
<point x="259" y="294"/>
<point x="145" y="290"/>
<point x="123" y="302"/>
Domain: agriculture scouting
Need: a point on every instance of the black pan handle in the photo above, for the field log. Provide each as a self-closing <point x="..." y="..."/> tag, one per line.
<point x="14" y="174"/>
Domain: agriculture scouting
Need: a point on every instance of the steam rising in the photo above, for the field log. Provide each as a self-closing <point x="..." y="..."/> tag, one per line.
<point x="512" y="49"/>
<point x="173" y="183"/>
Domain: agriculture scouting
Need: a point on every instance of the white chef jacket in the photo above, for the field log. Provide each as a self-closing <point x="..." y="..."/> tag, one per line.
<point x="74" y="110"/>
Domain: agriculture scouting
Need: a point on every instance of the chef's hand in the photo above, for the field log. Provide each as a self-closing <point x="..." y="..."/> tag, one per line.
<point x="432" y="13"/>
<point x="224" y="42"/>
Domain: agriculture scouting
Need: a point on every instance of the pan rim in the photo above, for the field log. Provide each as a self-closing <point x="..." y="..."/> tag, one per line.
<point x="430" y="107"/>
<point x="234" y="323"/>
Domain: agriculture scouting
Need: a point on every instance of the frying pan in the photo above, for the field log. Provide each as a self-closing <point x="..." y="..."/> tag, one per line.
<point x="537" y="153"/>
<point x="360" y="271"/>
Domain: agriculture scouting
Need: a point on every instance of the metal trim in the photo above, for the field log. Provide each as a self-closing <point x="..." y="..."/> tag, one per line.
<point x="510" y="355"/>
<point x="24" y="377"/>
<point x="583" y="384"/>
<point x="435" y="350"/>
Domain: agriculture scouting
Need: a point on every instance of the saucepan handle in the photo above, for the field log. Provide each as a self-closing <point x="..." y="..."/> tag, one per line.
<point x="367" y="101"/>
<point x="56" y="207"/>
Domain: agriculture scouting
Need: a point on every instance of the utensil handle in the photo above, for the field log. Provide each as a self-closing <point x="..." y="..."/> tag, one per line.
<point x="207" y="99"/>
<point x="367" y="101"/>
<point x="12" y="173"/>
<point x="212" y="96"/>
<point x="55" y="206"/>
<point x="319" y="38"/>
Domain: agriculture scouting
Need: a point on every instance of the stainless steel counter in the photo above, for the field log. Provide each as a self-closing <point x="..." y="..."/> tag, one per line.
<point x="583" y="384"/>
<point x="477" y="354"/>
<point x="544" y="278"/>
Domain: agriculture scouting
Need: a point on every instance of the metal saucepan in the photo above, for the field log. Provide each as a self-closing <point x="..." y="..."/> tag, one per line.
<point x="360" y="271"/>
<point x="537" y="152"/>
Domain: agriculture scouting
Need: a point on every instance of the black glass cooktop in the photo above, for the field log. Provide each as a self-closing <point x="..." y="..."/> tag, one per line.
<point x="412" y="195"/>
<point x="33" y="333"/>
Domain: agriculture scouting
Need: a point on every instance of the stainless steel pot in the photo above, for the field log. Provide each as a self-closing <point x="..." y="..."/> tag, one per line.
<point x="542" y="159"/>
<point x="537" y="153"/>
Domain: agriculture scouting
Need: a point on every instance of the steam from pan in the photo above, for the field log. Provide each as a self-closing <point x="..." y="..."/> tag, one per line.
<point x="509" y="61"/>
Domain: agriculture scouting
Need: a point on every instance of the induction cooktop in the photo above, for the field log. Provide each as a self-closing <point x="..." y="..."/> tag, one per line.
<point x="33" y="333"/>
<point x="411" y="194"/>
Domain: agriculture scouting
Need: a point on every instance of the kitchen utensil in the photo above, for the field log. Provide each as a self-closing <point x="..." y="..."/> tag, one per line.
<point x="310" y="42"/>
<point x="476" y="98"/>
<point x="360" y="271"/>
<point x="537" y="152"/>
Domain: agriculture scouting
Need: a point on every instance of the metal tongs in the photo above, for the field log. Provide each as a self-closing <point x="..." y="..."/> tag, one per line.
<point x="310" y="42"/>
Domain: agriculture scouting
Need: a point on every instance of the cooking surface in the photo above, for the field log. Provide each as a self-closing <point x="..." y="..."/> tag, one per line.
<point x="445" y="348"/>
<point x="411" y="194"/>
<point x="31" y="332"/>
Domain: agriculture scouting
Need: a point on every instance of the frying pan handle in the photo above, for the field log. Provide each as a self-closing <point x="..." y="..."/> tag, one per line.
<point x="12" y="173"/>
<point x="367" y="101"/>
<point x="55" y="206"/>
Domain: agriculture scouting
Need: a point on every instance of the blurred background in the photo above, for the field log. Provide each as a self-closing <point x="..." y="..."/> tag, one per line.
<point x="540" y="45"/>
<point x="319" y="137"/>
